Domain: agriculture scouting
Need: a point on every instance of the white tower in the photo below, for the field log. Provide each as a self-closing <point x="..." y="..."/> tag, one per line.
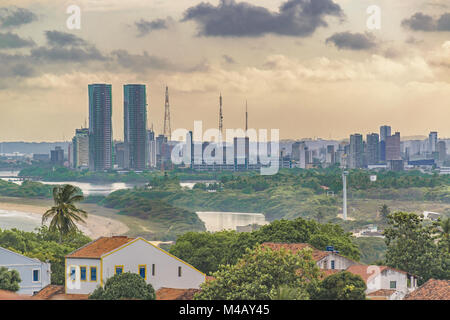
<point x="344" y="194"/>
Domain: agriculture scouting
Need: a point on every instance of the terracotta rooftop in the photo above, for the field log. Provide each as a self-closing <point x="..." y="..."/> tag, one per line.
<point x="431" y="290"/>
<point x="176" y="294"/>
<point x="295" y="247"/>
<point x="9" y="295"/>
<point x="99" y="247"/>
<point x="55" y="292"/>
<point x="362" y="270"/>
<point x="381" y="293"/>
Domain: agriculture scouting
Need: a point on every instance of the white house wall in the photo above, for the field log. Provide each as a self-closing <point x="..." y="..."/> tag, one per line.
<point x="25" y="266"/>
<point x="82" y="287"/>
<point x="141" y="252"/>
<point x="340" y="262"/>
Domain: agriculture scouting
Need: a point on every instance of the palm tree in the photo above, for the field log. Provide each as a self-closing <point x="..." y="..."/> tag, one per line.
<point x="64" y="214"/>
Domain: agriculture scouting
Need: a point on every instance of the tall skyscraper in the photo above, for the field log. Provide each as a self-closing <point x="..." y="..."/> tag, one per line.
<point x="80" y="149"/>
<point x="100" y="127"/>
<point x="135" y="126"/>
<point x="385" y="131"/>
<point x="442" y="150"/>
<point x="373" y="148"/>
<point x="432" y="142"/>
<point x="356" y="152"/>
<point x="393" y="147"/>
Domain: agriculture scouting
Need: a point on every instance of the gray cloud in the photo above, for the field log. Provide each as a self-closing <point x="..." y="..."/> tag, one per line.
<point x="228" y="59"/>
<point x="140" y="63"/>
<point x="67" y="54"/>
<point x="62" y="39"/>
<point x="145" y="27"/>
<point x="353" y="41"/>
<point x="298" y="18"/>
<point x="15" y="17"/>
<point x="13" y="41"/>
<point x="423" y="22"/>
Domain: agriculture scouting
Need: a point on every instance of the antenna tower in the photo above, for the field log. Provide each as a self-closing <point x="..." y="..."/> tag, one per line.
<point x="220" y="116"/>
<point x="167" y="129"/>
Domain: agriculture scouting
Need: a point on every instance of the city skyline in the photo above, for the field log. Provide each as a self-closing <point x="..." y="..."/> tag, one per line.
<point x="309" y="75"/>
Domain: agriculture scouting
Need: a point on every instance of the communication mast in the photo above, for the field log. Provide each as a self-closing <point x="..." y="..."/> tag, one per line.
<point x="220" y="116"/>
<point x="167" y="129"/>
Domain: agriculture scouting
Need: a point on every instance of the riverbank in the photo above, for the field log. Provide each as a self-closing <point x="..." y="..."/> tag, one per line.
<point x="96" y="226"/>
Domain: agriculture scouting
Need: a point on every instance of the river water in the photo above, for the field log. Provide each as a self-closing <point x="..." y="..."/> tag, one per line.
<point x="214" y="221"/>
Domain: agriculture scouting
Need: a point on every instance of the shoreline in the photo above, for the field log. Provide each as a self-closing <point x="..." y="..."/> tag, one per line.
<point x="96" y="226"/>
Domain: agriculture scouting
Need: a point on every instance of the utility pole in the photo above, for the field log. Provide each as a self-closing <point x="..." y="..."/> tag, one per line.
<point x="344" y="194"/>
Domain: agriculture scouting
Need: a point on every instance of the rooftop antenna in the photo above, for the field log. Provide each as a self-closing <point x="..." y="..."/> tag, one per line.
<point x="220" y="115"/>
<point x="246" y="117"/>
<point x="167" y="129"/>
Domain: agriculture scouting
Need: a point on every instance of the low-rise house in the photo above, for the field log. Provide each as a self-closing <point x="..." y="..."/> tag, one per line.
<point x="326" y="260"/>
<point x="34" y="274"/>
<point x="383" y="281"/>
<point x="91" y="265"/>
<point x="431" y="290"/>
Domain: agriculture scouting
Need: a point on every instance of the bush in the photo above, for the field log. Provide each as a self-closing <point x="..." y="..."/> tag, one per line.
<point x="125" y="286"/>
<point x="9" y="279"/>
<point x="341" y="286"/>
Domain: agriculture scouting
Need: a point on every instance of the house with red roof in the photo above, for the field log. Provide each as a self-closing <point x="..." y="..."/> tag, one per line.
<point x="91" y="265"/>
<point x="431" y="290"/>
<point x="385" y="283"/>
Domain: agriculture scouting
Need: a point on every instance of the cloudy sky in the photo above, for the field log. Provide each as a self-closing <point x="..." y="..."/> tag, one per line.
<point x="310" y="68"/>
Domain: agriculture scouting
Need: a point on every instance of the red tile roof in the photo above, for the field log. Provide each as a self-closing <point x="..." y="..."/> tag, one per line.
<point x="362" y="270"/>
<point x="99" y="247"/>
<point x="295" y="247"/>
<point x="55" y="292"/>
<point x="381" y="293"/>
<point x="176" y="294"/>
<point x="431" y="290"/>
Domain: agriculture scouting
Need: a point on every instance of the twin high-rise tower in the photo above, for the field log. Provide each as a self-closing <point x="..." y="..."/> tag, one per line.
<point x="100" y="127"/>
<point x="135" y="126"/>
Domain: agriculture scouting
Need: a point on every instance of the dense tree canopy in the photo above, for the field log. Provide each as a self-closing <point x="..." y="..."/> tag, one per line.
<point x="125" y="286"/>
<point x="44" y="245"/>
<point x="260" y="273"/>
<point x="9" y="280"/>
<point x="417" y="246"/>
<point x="341" y="286"/>
<point x="206" y="251"/>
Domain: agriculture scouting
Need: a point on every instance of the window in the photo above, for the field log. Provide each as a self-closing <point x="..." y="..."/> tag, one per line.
<point x="393" y="284"/>
<point x="153" y="269"/>
<point x="94" y="274"/>
<point x="83" y="274"/>
<point x="72" y="273"/>
<point x="332" y="264"/>
<point x="36" y="275"/>
<point x="119" y="269"/>
<point x="179" y="271"/>
<point x="143" y="271"/>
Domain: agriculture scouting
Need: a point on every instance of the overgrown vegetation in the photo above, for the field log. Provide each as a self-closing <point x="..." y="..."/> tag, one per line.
<point x="45" y="246"/>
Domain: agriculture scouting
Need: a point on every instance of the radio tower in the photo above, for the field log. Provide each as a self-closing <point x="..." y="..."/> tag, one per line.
<point x="167" y="129"/>
<point x="220" y="116"/>
<point x="246" y="117"/>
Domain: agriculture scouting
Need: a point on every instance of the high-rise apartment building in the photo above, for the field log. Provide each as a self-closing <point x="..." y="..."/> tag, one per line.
<point x="100" y="127"/>
<point x="356" y="151"/>
<point x="373" y="149"/>
<point x="393" y="147"/>
<point x="135" y="126"/>
<point x="432" y="142"/>
<point x="385" y="131"/>
<point x="442" y="150"/>
<point x="80" y="149"/>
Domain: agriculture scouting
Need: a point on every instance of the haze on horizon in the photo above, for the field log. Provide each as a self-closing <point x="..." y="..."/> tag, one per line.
<point x="310" y="69"/>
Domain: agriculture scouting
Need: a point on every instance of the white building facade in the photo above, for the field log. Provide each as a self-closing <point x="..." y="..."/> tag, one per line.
<point x="87" y="269"/>
<point x="34" y="274"/>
